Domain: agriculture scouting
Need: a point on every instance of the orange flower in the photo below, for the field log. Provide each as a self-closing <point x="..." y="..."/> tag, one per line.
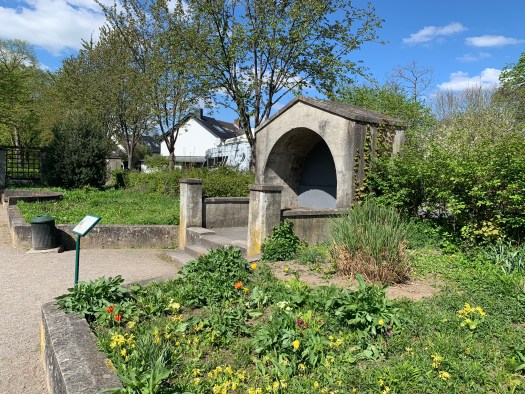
<point x="238" y="285"/>
<point x="110" y="309"/>
<point x="118" y="318"/>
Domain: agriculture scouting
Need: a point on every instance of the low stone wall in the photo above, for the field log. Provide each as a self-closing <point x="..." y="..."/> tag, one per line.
<point x="102" y="236"/>
<point x="11" y="197"/>
<point x="312" y="225"/>
<point x="72" y="362"/>
<point x="225" y="212"/>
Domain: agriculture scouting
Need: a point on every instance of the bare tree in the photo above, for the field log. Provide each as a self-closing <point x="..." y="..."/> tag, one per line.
<point x="415" y="79"/>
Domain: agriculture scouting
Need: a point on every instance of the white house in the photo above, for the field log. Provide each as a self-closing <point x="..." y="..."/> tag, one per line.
<point x="199" y="134"/>
<point x="234" y="152"/>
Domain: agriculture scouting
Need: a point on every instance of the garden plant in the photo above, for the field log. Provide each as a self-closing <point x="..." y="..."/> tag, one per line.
<point x="229" y="326"/>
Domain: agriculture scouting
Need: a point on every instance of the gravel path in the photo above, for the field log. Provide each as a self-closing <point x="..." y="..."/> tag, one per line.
<point x="29" y="280"/>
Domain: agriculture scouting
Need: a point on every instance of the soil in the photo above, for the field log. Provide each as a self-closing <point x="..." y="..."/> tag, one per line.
<point x="415" y="290"/>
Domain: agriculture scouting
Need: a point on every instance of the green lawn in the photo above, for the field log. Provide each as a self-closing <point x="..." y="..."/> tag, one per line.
<point x="114" y="206"/>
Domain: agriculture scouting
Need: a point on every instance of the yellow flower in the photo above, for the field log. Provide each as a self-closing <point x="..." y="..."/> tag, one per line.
<point x="286" y="269"/>
<point x="381" y="322"/>
<point x="316" y="384"/>
<point x="131" y="324"/>
<point x="254" y="266"/>
<point x="235" y="385"/>
<point x="444" y="375"/>
<point x="296" y="344"/>
<point x="123" y="352"/>
<point x="197" y="381"/>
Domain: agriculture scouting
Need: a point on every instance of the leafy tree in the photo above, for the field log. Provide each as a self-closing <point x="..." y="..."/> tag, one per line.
<point x="21" y="86"/>
<point x="512" y="90"/>
<point x="77" y="154"/>
<point x="259" y="51"/>
<point x="160" y="40"/>
<point x="388" y="99"/>
<point x="104" y="82"/>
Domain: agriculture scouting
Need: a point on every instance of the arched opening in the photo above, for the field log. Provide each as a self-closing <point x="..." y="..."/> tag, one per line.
<point x="302" y="163"/>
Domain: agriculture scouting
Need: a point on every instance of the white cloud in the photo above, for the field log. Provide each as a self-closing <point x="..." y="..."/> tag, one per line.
<point x="491" y="41"/>
<point x="429" y="33"/>
<point x="470" y="58"/>
<point x="460" y="80"/>
<point x="54" y="25"/>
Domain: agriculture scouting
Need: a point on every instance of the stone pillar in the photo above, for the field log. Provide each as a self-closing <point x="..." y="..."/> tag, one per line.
<point x="190" y="207"/>
<point x="3" y="169"/>
<point x="264" y="214"/>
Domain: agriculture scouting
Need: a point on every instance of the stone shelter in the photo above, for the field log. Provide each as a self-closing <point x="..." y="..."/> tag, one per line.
<point x="319" y="151"/>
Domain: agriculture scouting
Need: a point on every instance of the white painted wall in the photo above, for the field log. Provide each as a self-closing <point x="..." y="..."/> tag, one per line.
<point x="193" y="140"/>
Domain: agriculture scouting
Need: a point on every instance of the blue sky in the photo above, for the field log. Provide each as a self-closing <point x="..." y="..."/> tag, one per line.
<point x="465" y="42"/>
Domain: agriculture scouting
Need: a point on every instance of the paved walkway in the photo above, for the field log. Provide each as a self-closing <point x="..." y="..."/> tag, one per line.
<point x="29" y="280"/>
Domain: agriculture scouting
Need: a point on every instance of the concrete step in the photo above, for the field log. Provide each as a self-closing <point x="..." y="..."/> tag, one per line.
<point x="213" y="241"/>
<point x="195" y="250"/>
<point x="179" y="256"/>
<point x="193" y="234"/>
<point x="241" y="244"/>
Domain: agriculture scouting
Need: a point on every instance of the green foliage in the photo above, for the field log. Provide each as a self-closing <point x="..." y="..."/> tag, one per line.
<point x="509" y="257"/>
<point x="86" y="299"/>
<point x="512" y="89"/>
<point x="389" y="100"/>
<point x="282" y="245"/>
<point x="312" y="255"/>
<point x="113" y="206"/>
<point x="212" y="278"/>
<point x="77" y="154"/>
<point x="156" y="163"/>
<point x="22" y="84"/>
<point x="466" y="174"/>
<point x="371" y="240"/>
<point x="221" y="182"/>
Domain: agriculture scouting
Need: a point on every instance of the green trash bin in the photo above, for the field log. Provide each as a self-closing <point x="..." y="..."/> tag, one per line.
<point x="43" y="233"/>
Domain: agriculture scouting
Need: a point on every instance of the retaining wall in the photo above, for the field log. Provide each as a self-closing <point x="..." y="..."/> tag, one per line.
<point x="72" y="362"/>
<point x="312" y="225"/>
<point x="102" y="236"/>
<point x="225" y="212"/>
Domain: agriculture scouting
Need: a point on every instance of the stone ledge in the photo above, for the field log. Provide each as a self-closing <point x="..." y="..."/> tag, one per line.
<point x="227" y="200"/>
<point x="11" y="197"/>
<point x="313" y="212"/>
<point x="72" y="362"/>
<point x="102" y="236"/>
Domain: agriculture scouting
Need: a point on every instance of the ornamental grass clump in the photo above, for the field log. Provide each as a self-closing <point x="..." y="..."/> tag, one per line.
<point x="371" y="240"/>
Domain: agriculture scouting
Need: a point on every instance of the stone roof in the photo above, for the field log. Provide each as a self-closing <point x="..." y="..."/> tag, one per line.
<point x="344" y="110"/>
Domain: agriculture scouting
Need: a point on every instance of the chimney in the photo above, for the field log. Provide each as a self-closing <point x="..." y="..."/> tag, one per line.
<point x="237" y="123"/>
<point x="198" y="113"/>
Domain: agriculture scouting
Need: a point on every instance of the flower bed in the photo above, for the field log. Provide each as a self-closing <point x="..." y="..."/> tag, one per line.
<point x="227" y="326"/>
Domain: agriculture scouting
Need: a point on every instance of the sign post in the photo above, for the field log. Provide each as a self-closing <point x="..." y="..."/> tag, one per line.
<point x="81" y="229"/>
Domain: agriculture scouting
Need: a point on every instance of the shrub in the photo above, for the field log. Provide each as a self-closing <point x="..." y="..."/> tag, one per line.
<point x="371" y="240"/>
<point x="156" y="163"/>
<point x="282" y="245"/>
<point x="220" y="182"/>
<point x="466" y="174"/>
<point x="77" y="154"/>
